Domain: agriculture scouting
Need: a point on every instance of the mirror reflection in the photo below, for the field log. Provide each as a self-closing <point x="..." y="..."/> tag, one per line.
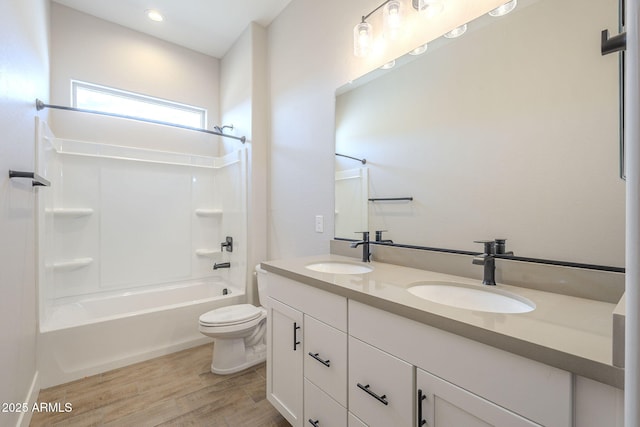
<point x="510" y="131"/>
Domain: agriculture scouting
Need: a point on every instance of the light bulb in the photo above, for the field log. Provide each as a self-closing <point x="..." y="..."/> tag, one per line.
<point x="456" y="32"/>
<point x="429" y="8"/>
<point x="504" y="9"/>
<point x="362" y="39"/>
<point x="392" y="19"/>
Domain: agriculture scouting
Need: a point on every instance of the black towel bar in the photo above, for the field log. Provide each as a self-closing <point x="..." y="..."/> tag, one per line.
<point x="37" y="179"/>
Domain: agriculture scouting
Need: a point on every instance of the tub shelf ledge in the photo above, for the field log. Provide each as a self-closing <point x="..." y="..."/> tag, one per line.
<point x="72" y="264"/>
<point x="70" y="212"/>
<point x="208" y="212"/>
<point x="210" y="253"/>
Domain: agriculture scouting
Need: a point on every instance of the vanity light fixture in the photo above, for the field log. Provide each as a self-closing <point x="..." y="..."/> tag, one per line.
<point x="392" y="18"/>
<point x="429" y="8"/>
<point x="504" y="9"/>
<point x="419" y="50"/>
<point x="362" y="38"/>
<point x="456" y="32"/>
<point x="154" y="15"/>
<point x="363" y="33"/>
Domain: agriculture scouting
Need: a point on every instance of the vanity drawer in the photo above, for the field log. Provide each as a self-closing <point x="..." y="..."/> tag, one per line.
<point x="321" y="410"/>
<point x="325" y="306"/>
<point x="380" y="386"/>
<point x="531" y="389"/>
<point x="325" y="358"/>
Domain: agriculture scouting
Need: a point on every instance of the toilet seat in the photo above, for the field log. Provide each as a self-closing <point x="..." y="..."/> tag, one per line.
<point x="231" y="315"/>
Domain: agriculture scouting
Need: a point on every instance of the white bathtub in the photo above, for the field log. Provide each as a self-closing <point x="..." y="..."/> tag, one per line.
<point x="81" y="337"/>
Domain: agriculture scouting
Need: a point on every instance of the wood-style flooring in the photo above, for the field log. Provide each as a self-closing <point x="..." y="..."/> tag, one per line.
<point x="174" y="390"/>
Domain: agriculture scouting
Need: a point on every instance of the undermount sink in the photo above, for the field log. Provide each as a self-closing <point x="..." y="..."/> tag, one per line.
<point x="339" y="267"/>
<point x="472" y="297"/>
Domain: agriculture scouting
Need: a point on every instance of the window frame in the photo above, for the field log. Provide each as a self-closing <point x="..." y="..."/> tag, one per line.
<point x="136" y="97"/>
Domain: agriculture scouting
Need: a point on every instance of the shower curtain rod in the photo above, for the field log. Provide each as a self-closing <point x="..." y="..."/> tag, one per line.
<point x="363" y="161"/>
<point x="41" y="105"/>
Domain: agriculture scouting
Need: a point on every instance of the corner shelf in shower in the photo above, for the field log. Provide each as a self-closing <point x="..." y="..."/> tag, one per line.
<point x="70" y="212"/>
<point x="208" y="213"/>
<point x="209" y="253"/>
<point x="72" y="264"/>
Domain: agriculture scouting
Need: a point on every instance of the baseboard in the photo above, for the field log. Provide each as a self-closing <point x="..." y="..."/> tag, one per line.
<point x="32" y="396"/>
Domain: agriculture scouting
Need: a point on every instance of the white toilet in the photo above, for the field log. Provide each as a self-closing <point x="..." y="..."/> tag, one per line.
<point x="239" y="333"/>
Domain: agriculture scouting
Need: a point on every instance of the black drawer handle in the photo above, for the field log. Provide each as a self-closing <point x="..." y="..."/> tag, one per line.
<point x="326" y="363"/>
<point x="382" y="399"/>
<point x="295" y="336"/>
<point x="315" y="423"/>
<point x="421" y="397"/>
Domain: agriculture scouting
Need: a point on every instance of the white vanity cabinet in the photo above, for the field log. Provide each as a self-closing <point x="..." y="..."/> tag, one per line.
<point x="380" y="386"/>
<point x="285" y="358"/>
<point x="325" y="353"/>
<point x="442" y="404"/>
<point x="320" y="409"/>
<point x="307" y="353"/>
<point x="339" y="362"/>
<point x="532" y="390"/>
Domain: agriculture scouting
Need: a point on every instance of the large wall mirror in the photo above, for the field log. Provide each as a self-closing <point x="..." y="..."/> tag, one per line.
<point x="510" y="131"/>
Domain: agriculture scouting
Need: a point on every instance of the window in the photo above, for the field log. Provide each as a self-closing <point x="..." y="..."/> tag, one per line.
<point x="114" y="101"/>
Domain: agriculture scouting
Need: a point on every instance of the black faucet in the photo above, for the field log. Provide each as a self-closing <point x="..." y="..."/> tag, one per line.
<point x="379" y="237"/>
<point x="487" y="259"/>
<point x="218" y="265"/>
<point x="366" y="254"/>
<point x="501" y="247"/>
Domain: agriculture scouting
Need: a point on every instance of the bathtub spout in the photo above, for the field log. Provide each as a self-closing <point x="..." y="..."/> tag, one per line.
<point x="221" y="265"/>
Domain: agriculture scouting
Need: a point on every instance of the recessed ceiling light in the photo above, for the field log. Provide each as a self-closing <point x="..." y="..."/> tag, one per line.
<point x="154" y="15"/>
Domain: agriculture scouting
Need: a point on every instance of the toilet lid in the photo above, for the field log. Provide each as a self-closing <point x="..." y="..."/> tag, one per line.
<point x="230" y="315"/>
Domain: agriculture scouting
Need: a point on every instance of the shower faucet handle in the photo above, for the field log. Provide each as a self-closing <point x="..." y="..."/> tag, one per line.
<point x="228" y="243"/>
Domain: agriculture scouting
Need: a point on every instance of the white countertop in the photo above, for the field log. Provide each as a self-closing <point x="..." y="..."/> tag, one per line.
<point x="567" y="332"/>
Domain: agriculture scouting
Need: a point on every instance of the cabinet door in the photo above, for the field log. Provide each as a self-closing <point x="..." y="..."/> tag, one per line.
<point x="442" y="404"/>
<point x="355" y="421"/>
<point x="380" y="387"/>
<point x="325" y="352"/>
<point x="284" y="361"/>
<point x="320" y="409"/>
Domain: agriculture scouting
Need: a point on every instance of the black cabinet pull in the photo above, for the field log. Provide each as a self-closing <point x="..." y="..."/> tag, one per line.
<point x="382" y="399"/>
<point x="315" y="423"/>
<point x="324" y="362"/>
<point x="421" y="397"/>
<point x="295" y="336"/>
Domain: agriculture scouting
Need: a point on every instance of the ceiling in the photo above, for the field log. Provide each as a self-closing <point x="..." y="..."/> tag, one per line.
<point x="206" y="26"/>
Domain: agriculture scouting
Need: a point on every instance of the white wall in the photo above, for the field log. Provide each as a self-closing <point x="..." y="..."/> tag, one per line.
<point x="243" y="102"/>
<point x="23" y="77"/>
<point x="310" y="54"/>
<point x="96" y="51"/>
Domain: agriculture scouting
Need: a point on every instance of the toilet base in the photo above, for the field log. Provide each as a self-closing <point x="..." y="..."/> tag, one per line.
<point x="252" y="357"/>
<point x="232" y="355"/>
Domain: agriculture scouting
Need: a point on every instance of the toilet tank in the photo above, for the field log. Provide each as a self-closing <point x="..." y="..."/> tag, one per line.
<point x="261" y="275"/>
